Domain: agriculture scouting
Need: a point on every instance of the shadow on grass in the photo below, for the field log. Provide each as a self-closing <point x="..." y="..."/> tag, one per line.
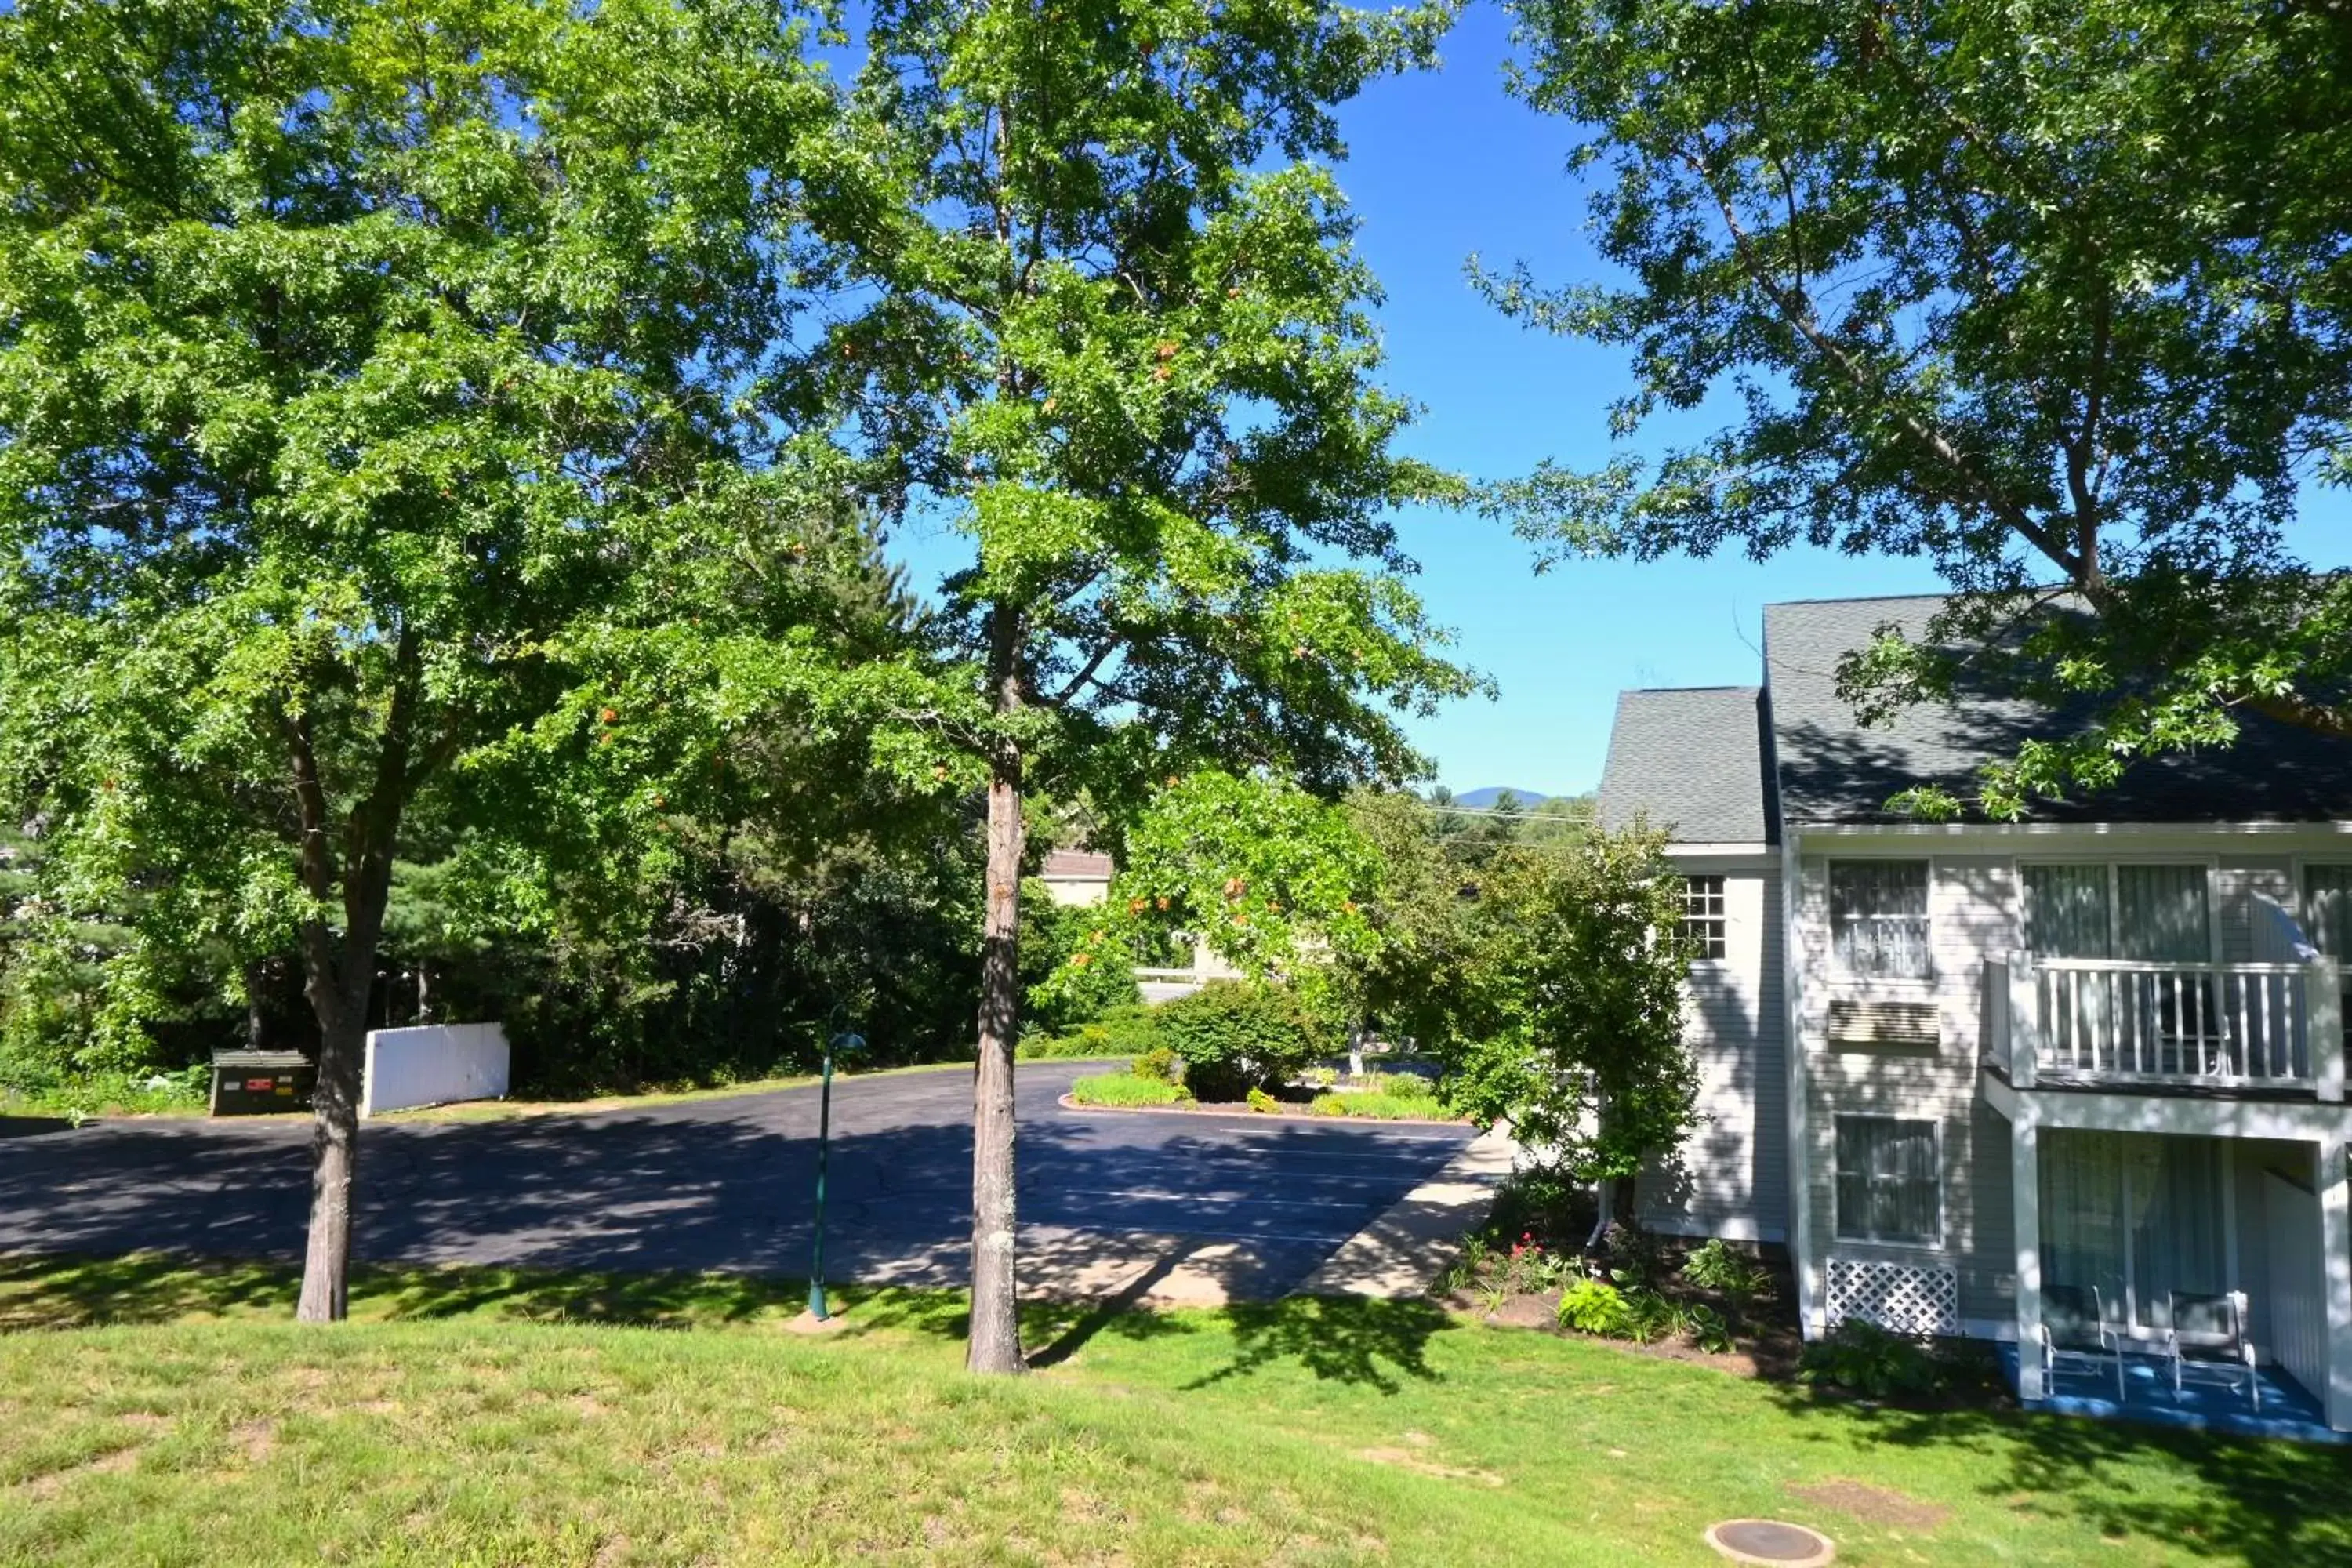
<point x="1342" y="1339"/>
<point x="42" y="1292"/>
<point x="2233" y="1499"/>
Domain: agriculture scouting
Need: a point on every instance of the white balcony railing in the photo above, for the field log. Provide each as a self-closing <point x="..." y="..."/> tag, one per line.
<point x="2121" y="1023"/>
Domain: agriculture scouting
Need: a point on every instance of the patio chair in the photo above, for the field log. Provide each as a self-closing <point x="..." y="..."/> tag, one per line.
<point x="2086" y="1336"/>
<point x="2216" y="1342"/>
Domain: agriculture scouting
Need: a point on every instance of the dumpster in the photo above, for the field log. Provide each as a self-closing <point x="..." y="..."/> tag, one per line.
<point x="255" y="1083"/>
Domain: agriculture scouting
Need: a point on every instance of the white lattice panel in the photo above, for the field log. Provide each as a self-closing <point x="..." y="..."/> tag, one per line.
<point x="1901" y="1298"/>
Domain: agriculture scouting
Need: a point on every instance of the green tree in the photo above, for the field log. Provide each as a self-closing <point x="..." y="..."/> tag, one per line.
<point x="2050" y="294"/>
<point x="1119" y="341"/>
<point x="374" y="428"/>
<point x="1264" y="872"/>
<point x="1553" y="994"/>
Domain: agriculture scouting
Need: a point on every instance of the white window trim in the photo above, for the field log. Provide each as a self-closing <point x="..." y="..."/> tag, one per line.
<point x="1722" y="918"/>
<point x="1943" y="1221"/>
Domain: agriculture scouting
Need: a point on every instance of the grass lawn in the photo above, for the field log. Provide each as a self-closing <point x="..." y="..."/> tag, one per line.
<point x="155" y="1412"/>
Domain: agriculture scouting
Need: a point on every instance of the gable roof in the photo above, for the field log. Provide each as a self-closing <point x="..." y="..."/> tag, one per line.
<point x="1693" y="760"/>
<point x="1833" y="770"/>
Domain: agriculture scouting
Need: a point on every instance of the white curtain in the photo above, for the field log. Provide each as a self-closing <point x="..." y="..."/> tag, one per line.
<point x="2066" y="912"/>
<point x="2161" y="915"/>
<point x="2135" y="1218"/>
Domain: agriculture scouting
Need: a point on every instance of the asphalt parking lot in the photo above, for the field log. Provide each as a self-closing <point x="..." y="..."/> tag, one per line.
<point x="1110" y="1202"/>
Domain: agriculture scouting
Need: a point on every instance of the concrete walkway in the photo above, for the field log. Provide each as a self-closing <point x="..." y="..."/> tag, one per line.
<point x="1403" y="1252"/>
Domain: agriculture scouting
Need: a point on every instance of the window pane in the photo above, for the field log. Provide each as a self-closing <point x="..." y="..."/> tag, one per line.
<point x="2160" y="914"/>
<point x="2066" y="912"/>
<point x="1702" y="912"/>
<point x="2327" y="908"/>
<point x="1886" y="1180"/>
<point x="1878" y="918"/>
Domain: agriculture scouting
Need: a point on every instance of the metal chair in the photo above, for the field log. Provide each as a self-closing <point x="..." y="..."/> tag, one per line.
<point x="2222" y="1348"/>
<point x="2088" y="1338"/>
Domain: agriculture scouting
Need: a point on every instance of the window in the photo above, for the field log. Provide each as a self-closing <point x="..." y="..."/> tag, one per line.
<point x="2148" y="913"/>
<point x="2327" y="909"/>
<point x="1878" y="918"/>
<point x="1886" y="1182"/>
<point x="1703" y="919"/>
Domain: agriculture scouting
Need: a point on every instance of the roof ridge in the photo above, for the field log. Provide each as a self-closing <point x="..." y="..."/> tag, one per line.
<point x="1858" y="599"/>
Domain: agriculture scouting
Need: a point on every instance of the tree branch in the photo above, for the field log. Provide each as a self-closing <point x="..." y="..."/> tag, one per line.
<point x="1796" y="311"/>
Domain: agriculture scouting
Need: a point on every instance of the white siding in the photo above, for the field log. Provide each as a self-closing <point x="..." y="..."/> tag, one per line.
<point x="1730" y="1176"/>
<point x="1971" y="908"/>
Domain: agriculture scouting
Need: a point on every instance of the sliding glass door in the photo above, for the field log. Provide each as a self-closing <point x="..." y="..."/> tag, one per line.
<point x="2141" y="914"/>
<point x="2132" y="1223"/>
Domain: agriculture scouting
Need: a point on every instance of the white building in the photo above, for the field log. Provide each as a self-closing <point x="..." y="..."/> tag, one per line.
<point x="2080" y="1072"/>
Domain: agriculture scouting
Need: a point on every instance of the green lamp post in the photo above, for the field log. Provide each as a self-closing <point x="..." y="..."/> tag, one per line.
<point x="846" y="1043"/>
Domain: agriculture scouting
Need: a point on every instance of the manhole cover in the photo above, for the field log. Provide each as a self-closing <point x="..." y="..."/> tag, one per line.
<point x="1769" y="1541"/>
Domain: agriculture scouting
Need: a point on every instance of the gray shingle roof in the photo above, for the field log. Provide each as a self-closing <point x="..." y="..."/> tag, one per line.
<point x="1693" y="759"/>
<point x="1833" y="770"/>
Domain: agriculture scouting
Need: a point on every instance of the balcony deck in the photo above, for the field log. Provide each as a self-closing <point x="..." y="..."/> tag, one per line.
<point x="2262" y="1029"/>
<point x="2205" y="1404"/>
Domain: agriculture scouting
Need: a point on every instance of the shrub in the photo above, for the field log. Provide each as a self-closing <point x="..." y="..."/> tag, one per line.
<point x="1073" y="969"/>
<point x="1121" y="1032"/>
<point x="1543" y="1202"/>
<point x="1233" y="1034"/>
<point x="1329" y="1105"/>
<point x="1649" y="1316"/>
<point x="1862" y="1358"/>
<point x="1263" y="1103"/>
<point x="1707" y="1329"/>
<point x="1396" y="1107"/>
<point x="1730" y="1275"/>
<point x="1125" y="1088"/>
<point x="1159" y="1064"/>
<point x="1636" y="1257"/>
<point x="1594" y="1307"/>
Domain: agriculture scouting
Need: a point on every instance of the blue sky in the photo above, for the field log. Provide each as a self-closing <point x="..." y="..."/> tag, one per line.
<point x="1441" y="165"/>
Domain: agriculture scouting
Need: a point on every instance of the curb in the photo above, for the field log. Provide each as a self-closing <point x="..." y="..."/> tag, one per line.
<point x="1245" y="1114"/>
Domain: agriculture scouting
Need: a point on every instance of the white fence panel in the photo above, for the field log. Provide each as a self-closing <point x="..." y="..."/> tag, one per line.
<point x="2299" y="1294"/>
<point x="433" y="1065"/>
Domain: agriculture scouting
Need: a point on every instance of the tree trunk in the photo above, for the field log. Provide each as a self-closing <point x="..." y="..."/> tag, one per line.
<point x="995" y="1343"/>
<point x="334" y="1158"/>
<point x="339" y="976"/>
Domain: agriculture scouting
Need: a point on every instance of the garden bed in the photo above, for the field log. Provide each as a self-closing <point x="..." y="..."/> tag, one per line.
<point x="1712" y="1303"/>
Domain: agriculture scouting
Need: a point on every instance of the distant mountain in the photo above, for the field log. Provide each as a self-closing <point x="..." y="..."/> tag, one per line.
<point x="1486" y="798"/>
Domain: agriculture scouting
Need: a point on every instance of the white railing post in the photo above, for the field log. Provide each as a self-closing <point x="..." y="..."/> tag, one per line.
<point x="2024" y="1019"/>
<point x="2322" y="1012"/>
<point x="2025" y="1215"/>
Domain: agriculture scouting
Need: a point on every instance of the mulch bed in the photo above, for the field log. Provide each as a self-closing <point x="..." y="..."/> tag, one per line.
<point x="1768" y="1350"/>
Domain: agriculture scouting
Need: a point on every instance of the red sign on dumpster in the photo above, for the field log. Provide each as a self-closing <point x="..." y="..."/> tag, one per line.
<point x="260" y="1085"/>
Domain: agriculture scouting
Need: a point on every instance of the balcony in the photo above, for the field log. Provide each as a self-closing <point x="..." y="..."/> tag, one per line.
<point x="2122" y="1024"/>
